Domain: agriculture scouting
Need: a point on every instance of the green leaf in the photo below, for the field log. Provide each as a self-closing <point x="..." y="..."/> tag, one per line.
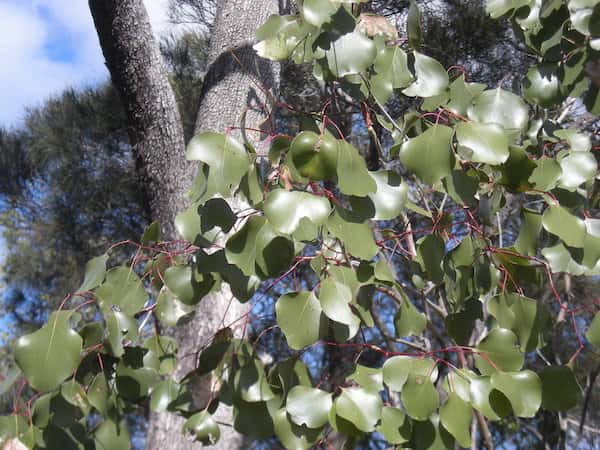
<point x="292" y="435"/>
<point x="395" y="427"/>
<point x="542" y="86"/>
<point x="253" y="419"/>
<point x="162" y="354"/>
<point x="501" y="348"/>
<point x="430" y="435"/>
<point x="390" y="196"/>
<point x="500" y="107"/>
<point x="352" y="53"/>
<point x="225" y="156"/>
<point x="216" y="212"/>
<point x="352" y="173"/>
<point x="335" y="301"/>
<point x="95" y="270"/>
<point x="497" y="8"/>
<point x="431" y="77"/>
<point x="163" y="394"/>
<point x="413" y="25"/>
<point x="355" y="234"/>
<point x="241" y="250"/>
<point x="50" y="355"/>
<point x="299" y="317"/>
<point x="308" y="406"/>
<point x="318" y="12"/>
<point x="252" y="383"/>
<point x="560" y="391"/>
<point x="480" y="388"/>
<point x="419" y="396"/>
<point x="178" y="280"/>
<point x="134" y="381"/>
<point x="123" y="289"/>
<point x="408" y="321"/>
<point x="169" y="310"/>
<point x="560" y="222"/>
<point x="285" y="210"/>
<point x="577" y="168"/>
<point x="274" y="253"/>
<point x="462" y="95"/>
<point x="203" y="427"/>
<point x="483" y="143"/>
<point x="360" y="407"/>
<point x="522" y="315"/>
<point x="456" y="416"/>
<point x="188" y="223"/>
<point x="113" y="436"/>
<point x="429" y="155"/>
<point x="523" y="390"/>
<point x="397" y="369"/>
<point x="392" y="64"/>
<point x="368" y="377"/>
<point x="430" y="252"/>
<point x="546" y="175"/>
<point x="578" y="141"/>
<point x="593" y="332"/>
<point x="119" y="326"/>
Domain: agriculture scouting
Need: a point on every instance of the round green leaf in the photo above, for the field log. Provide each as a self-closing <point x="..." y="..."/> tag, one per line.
<point x="351" y="54"/>
<point x="593" y="332"/>
<point x="318" y="12"/>
<point x="456" y="416"/>
<point x="225" y="156"/>
<point x="560" y="391"/>
<point x="285" y="210"/>
<point x="252" y="384"/>
<point x="123" y="289"/>
<point x="419" y="396"/>
<point x="163" y="394"/>
<point x="577" y="168"/>
<point x="484" y="143"/>
<point x="560" y="222"/>
<point x="308" y="406"/>
<point x="161" y="355"/>
<point x="542" y="86"/>
<point x="368" y="377"/>
<point x="95" y="270"/>
<point x="431" y="77"/>
<point x="429" y="155"/>
<point x="500" y="107"/>
<point x="397" y="369"/>
<point x="395" y="427"/>
<point x="360" y="407"/>
<point x="112" y="435"/>
<point x="523" y="390"/>
<point x="292" y="435"/>
<point x="335" y="301"/>
<point x="501" y="348"/>
<point x="390" y="196"/>
<point x="546" y="174"/>
<point x="299" y="317"/>
<point x="51" y="354"/>
<point x="169" y="309"/>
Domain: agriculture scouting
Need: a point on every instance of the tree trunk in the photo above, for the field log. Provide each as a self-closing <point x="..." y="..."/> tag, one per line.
<point x="234" y="86"/>
<point x="155" y="130"/>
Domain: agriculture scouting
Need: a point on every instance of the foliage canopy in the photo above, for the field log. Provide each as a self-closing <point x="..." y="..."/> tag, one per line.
<point x="310" y="202"/>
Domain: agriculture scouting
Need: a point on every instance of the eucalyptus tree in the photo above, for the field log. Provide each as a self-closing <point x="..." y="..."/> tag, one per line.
<point x="467" y="351"/>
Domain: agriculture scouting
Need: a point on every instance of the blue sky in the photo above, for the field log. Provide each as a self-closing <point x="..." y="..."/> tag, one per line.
<point x="47" y="45"/>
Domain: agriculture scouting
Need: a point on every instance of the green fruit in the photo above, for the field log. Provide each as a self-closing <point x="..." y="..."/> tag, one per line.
<point x="315" y="156"/>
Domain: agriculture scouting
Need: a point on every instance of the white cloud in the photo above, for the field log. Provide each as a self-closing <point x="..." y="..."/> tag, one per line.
<point x="48" y="45"/>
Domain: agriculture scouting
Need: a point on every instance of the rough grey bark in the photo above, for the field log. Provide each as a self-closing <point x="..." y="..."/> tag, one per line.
<point x="155" y="130"/>
<point x="234" y="85"/>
